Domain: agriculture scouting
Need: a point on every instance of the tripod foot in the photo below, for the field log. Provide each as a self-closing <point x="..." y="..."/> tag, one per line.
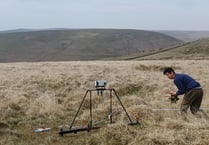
<point x="134" y="123"/>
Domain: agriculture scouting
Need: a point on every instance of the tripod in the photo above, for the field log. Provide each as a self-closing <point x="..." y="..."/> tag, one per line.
<point x="90" y="125"/>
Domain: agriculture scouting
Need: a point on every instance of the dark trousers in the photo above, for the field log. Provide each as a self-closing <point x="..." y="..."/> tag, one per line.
<point x="192" y="99"/>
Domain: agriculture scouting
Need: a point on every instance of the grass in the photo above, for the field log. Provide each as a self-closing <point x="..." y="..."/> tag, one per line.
<point x="48" y="94"/>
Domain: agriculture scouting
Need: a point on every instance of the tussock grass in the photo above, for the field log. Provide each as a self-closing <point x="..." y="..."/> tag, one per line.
<point x="130" y="89"/>
<point x="155" y="67"/>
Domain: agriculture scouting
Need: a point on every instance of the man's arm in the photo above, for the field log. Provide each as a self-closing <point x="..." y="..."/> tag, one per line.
<point x="180" y="86"/>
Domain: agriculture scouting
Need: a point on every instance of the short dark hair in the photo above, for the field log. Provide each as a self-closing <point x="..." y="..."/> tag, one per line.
<point x="168" y="70"/>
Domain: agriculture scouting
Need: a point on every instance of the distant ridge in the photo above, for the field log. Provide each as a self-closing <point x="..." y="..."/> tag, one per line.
<point x="79" y="44"/>
<point x="30" y="30"/>
<point x="16" y="31"/>
<point x="187" y="36"/>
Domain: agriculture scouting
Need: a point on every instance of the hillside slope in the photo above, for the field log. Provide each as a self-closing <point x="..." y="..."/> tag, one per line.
<point x="187" y="36"/>
<point x="194" y="50"/>
<point x="84" y="44"/>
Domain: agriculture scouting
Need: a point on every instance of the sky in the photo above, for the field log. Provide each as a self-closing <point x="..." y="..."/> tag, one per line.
<point x="119" y="14"/>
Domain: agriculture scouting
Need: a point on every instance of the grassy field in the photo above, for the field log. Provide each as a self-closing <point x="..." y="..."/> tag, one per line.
<point x="47" y="94"/>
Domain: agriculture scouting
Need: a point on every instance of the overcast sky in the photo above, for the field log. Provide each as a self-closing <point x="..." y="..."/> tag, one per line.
<point x="122" y="14"/>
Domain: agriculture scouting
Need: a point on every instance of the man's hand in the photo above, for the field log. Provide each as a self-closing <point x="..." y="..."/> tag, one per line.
<point x="173" y="98"/>
<point x="173" y="93"/>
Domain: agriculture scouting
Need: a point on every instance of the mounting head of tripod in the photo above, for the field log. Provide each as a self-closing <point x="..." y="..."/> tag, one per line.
<point x="100" y="84"/>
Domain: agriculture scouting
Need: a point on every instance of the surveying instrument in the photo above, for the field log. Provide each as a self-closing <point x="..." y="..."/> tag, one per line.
<point x="100" y="88"/>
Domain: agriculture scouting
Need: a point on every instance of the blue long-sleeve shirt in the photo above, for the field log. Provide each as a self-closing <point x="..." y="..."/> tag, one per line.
<point x="184" y="83"/>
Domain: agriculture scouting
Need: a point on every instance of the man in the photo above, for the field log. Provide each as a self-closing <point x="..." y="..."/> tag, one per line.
<point x="186" y="85"/>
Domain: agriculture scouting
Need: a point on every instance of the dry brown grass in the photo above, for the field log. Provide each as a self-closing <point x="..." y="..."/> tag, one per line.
<point x="48" y="94"/>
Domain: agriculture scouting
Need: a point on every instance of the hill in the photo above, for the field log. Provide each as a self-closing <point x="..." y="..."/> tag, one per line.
<point x="83" y="44"/>
<point x="192" y="50"/>
<point x="187" y="36"/>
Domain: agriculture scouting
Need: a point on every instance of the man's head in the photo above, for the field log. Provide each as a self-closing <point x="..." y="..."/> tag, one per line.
<point x="169" y="72"/>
